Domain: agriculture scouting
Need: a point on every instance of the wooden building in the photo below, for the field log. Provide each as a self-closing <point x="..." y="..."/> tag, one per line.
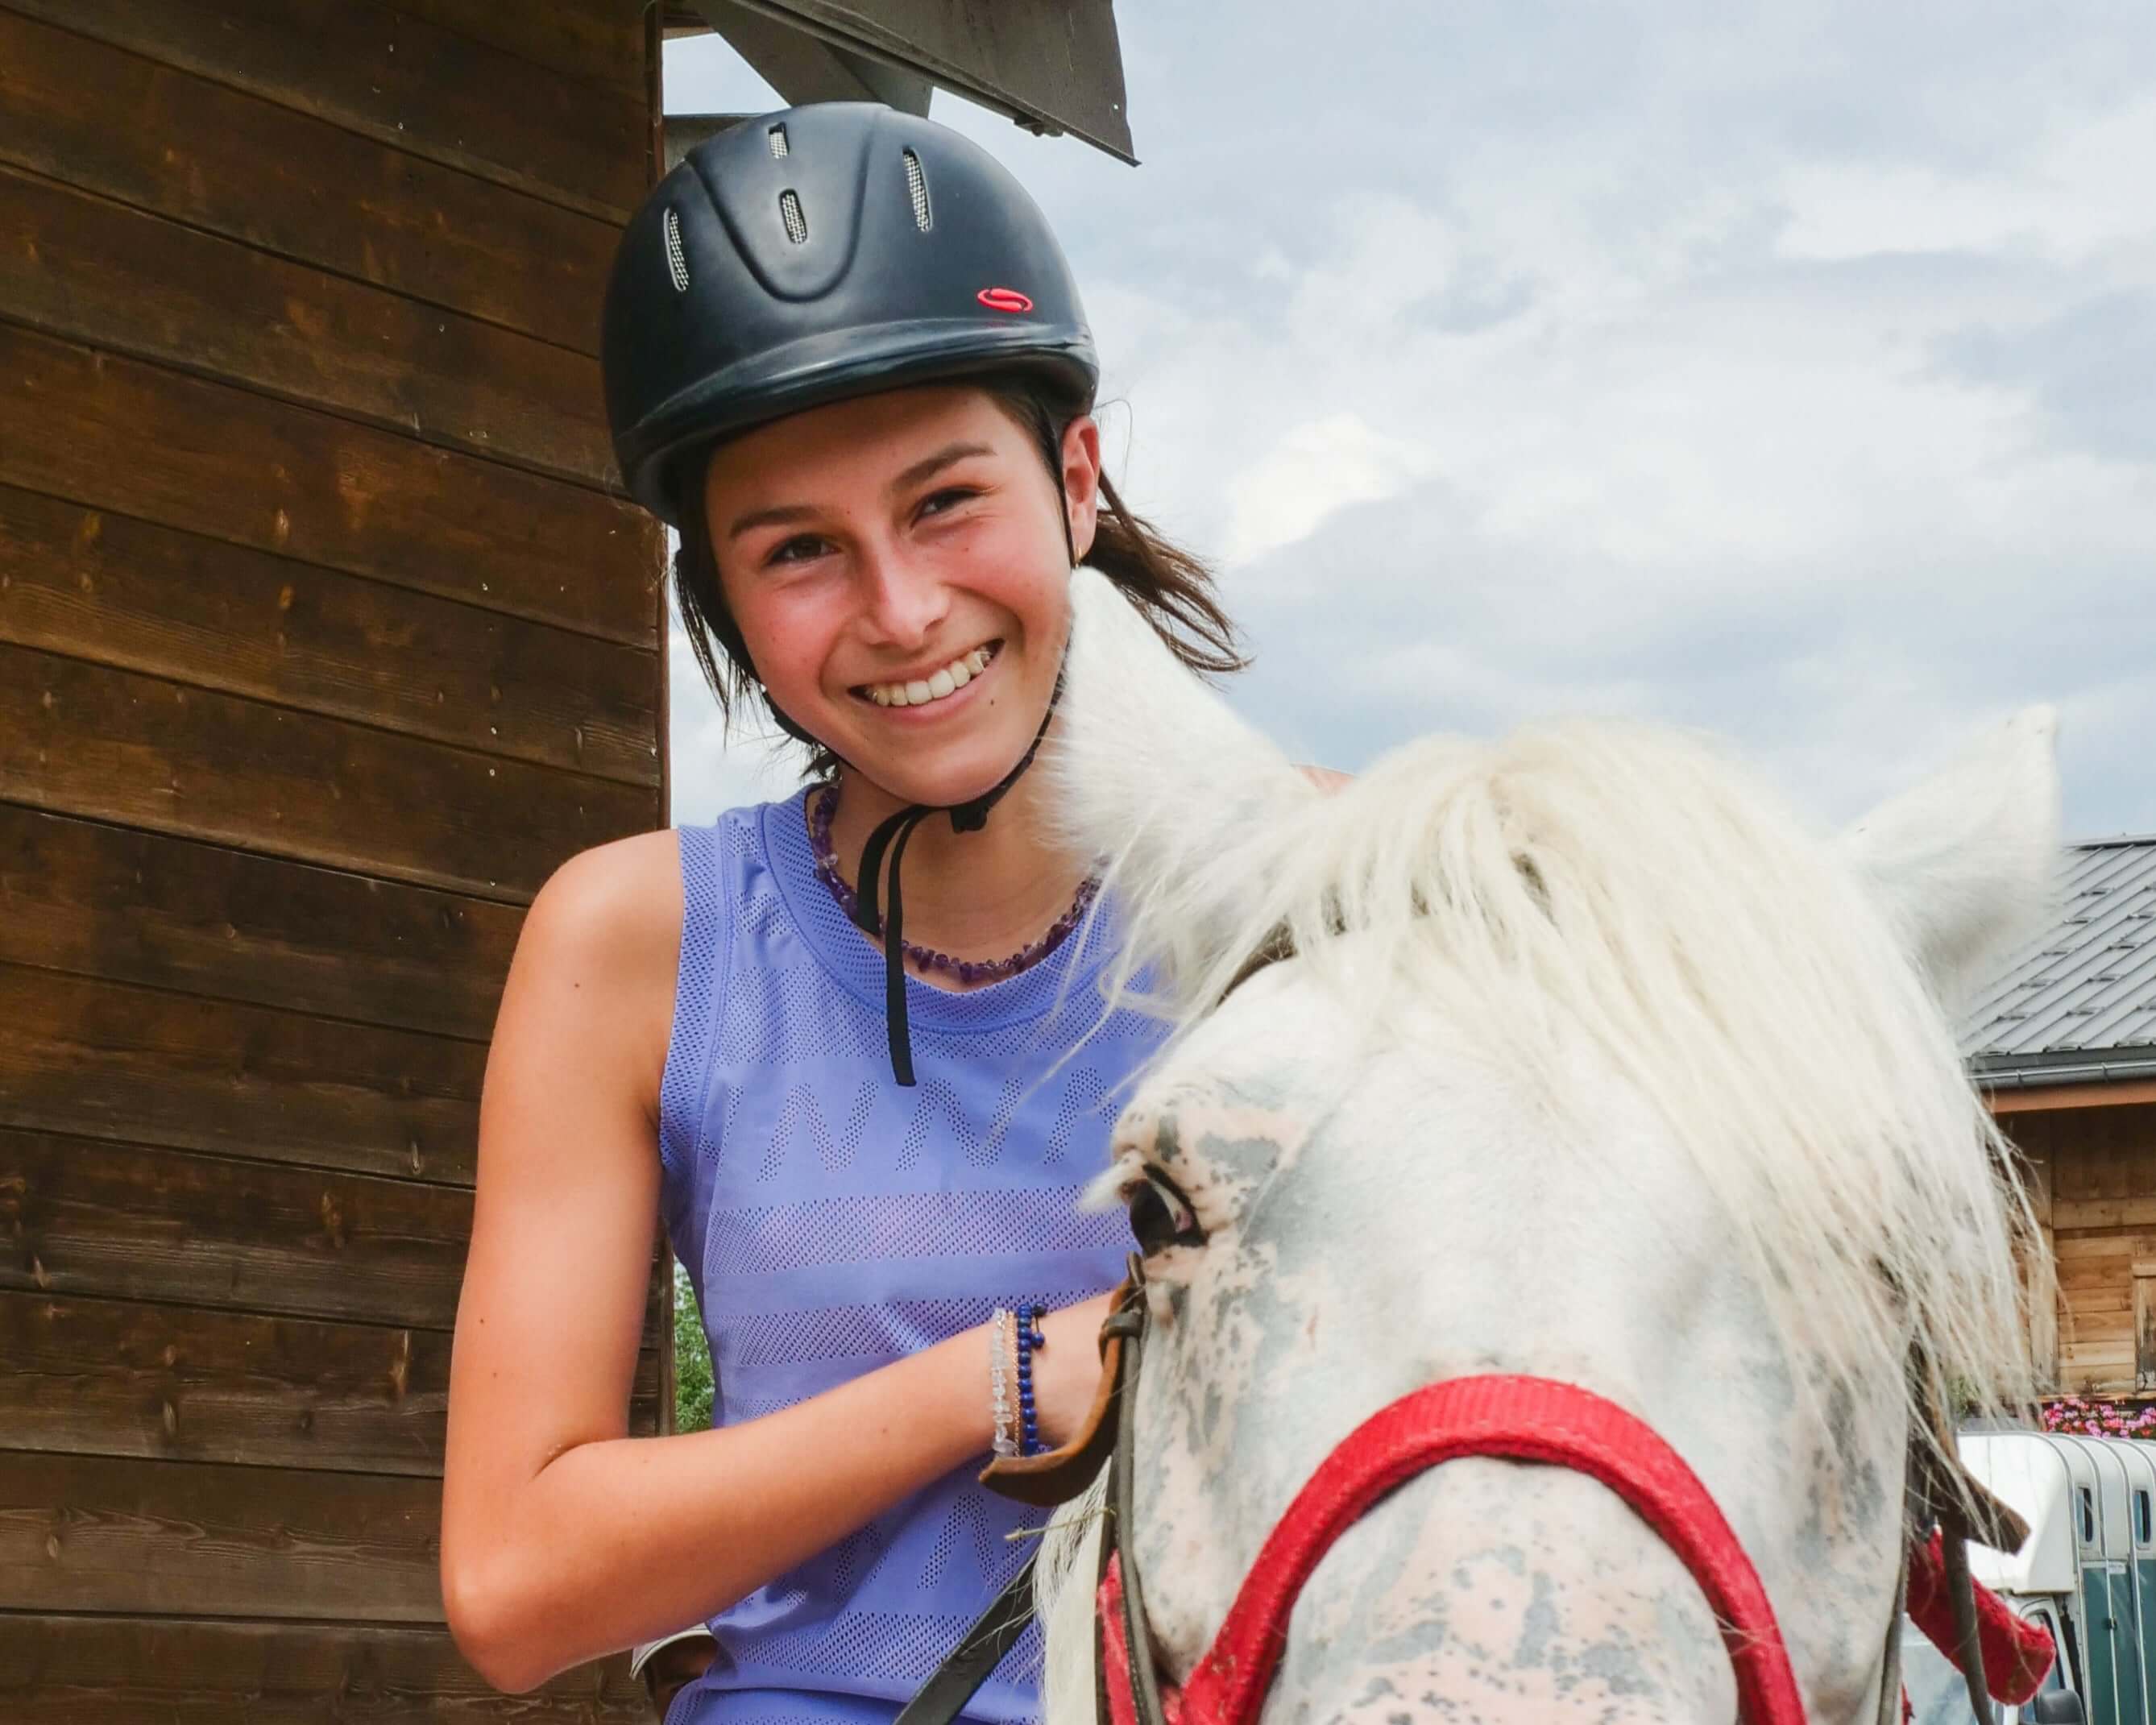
<point x="2065" y="1044"/>
<point x="325" y="636"/>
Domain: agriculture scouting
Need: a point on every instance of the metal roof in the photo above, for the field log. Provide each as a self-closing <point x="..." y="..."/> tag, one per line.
<point x="2077" y="1004"/>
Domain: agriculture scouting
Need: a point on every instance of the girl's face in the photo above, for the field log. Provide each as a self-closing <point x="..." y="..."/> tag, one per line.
<point x="897" y="567"/>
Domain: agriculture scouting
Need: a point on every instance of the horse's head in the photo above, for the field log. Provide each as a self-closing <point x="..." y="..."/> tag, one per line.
<point x="1575" y="1054"/>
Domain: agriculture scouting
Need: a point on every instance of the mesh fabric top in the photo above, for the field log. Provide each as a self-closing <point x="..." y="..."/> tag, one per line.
<point x="833" y="1221"/>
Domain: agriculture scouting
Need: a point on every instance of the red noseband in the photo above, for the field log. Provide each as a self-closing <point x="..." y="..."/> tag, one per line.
<point x="1520" y="1420"/>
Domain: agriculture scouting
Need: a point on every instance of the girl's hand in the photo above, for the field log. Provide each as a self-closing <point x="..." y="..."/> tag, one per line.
<point x="1066" y="1371"/>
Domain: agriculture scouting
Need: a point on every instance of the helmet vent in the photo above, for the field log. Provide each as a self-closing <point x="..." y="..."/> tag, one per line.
<point x="916" y="186"/>
<point x="776" y="136"/>
<point x="797" y="224"/>
<point x="677" y="265"/>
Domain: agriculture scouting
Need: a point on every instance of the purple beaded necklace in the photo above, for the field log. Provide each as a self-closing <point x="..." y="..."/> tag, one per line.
<point x="823" y="807"/>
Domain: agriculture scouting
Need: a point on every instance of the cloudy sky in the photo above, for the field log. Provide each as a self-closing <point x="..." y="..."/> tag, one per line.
<point x="1792" y="376"/>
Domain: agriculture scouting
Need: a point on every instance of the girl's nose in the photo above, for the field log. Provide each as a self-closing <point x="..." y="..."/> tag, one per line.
<point x="904" y="602"/>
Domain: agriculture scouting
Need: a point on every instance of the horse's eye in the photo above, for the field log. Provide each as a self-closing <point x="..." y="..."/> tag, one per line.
<point x="1161" y="1216"/>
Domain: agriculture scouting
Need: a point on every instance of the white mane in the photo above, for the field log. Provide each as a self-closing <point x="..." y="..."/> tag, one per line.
<point x="1617" y="881"/>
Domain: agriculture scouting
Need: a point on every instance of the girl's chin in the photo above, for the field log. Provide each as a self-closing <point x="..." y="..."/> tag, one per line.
<point x="942" y="784"/>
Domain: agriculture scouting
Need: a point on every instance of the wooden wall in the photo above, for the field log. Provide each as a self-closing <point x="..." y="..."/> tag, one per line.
<point x="2096" y="1174"/>
<point x="323" y="639"/>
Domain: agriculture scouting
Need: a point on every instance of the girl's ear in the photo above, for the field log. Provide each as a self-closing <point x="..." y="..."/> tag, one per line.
<point x="1081" y="481"/>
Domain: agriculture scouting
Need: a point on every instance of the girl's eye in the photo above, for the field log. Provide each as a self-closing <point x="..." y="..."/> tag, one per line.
<point x="1161" y="1216"/>
<point x="797" y="549"/>
<point x="943" y="502"/>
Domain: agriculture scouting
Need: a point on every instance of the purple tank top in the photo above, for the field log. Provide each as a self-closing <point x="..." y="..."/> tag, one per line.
<point x="832" y="1221"/>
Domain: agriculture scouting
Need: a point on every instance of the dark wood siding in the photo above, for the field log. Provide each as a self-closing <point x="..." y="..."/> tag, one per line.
<point x="325" y="637"/>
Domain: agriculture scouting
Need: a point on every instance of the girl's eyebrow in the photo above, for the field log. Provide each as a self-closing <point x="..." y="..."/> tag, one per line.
<point x="932" y="464"/>
<point x="785" y="514"/>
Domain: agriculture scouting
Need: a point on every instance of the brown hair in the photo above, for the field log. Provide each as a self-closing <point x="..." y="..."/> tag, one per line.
<point x="1171" y="587"/>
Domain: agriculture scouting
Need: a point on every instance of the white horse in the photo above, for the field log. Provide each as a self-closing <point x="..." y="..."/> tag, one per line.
<point x="1590" y="1060"/>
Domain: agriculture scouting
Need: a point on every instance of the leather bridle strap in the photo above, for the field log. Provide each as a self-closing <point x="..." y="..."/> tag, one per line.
<point x="1522" y="1419"/>
<point x="994" y="1633"/>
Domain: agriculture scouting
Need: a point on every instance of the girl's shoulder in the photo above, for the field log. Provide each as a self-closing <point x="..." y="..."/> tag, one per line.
<point x="625" y="887"/>
<point x="607" y="923"/>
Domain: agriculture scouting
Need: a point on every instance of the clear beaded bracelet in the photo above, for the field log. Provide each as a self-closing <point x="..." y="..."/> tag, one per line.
<point x="1005" y="1442"/>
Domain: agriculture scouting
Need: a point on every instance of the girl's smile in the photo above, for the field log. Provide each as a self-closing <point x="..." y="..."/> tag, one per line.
<point x="936" y="688"/>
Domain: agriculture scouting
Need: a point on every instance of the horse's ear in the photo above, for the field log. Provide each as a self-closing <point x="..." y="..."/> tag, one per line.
<point x="1966" y="864"/>
<point x="1153" y="772"/>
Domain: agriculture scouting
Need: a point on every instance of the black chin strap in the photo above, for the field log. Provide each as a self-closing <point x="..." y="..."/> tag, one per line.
<point x="891" y="838"/>
<point x="880" y="857"/>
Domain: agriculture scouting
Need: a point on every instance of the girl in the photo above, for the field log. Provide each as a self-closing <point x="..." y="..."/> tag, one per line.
<point x="848" y="1046"/>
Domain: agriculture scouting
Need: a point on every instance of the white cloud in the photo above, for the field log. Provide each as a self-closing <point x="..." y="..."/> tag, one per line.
<point x="1313" y="471"/>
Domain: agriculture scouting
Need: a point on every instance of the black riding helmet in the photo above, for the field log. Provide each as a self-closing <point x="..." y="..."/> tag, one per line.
<point x="815" y="254"/>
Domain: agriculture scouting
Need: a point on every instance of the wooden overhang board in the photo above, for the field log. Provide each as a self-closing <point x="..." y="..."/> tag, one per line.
<point x="325" y="636"/>
<point x="1053" y="65"/>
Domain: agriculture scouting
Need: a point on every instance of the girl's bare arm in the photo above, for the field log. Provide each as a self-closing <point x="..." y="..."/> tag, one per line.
<point x="562" y="1538"/>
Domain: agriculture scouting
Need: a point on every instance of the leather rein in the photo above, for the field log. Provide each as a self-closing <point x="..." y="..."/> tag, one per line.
<point x="1517" y="1418"/>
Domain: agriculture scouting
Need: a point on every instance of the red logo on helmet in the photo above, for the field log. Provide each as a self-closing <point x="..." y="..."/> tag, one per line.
<point x="1003" y="299"/>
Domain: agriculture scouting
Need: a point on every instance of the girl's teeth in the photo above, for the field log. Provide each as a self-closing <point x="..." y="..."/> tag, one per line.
<point x="953" y="677"/>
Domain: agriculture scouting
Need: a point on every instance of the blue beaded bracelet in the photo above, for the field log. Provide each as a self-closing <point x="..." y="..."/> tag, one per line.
<point x="1028" y="1337"/>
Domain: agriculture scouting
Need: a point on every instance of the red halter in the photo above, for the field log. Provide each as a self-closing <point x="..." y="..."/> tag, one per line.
<point x="1522" y="1419"/>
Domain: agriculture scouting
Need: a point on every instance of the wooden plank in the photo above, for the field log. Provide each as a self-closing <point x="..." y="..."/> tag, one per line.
<point x="2104" y="1213"/>
<point x="2042" y="1296"/>
<point x="123" y="1220"/>
<point x="204" y="919"/>
<point x="124" y="1377"/>
<point x="2111" y="1366"/>
<point x="2113" y="1299"/>
<point x="88" y="269"/>
<point x="163" y="139"/>
<point x="218" y="460"/>
<point x="598" y="41"/>
<point x="2144" y="1331"/>
<point x="78" y="1217"/>
<point x="85" y="739"/>
<point x="397" y="78"/>
<point x="2114" y="1329"/>
<point x="2108" y="1244"/>
<point x="149" y="598"/>
<point x="107" y="1534"/>
<point x="2100" y="1278"/>
<point x="2037" y="1178"/>
<point x="105" y="1060"/>
<point x="57" y="1670"/>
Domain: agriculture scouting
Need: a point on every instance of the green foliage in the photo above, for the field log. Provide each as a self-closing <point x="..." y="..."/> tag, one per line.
<point x="692" y="1359"/>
